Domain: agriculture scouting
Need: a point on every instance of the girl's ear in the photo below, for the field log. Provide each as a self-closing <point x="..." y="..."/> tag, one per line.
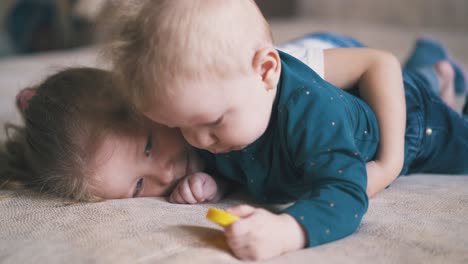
<point x="24" y="97"/>
<point x="267" y="63"/>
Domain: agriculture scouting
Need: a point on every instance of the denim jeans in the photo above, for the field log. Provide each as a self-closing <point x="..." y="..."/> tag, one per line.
<point x="436" y="137"/>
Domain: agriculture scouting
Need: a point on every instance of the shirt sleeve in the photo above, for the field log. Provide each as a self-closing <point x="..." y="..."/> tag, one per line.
<point x="323" y="150"/>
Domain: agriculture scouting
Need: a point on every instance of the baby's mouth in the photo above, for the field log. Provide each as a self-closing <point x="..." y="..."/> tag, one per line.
<point x="239" y="148"/>
<point x="225" y="151"/>
<point x="222" y="151"/>
<point x="187" y="164"/>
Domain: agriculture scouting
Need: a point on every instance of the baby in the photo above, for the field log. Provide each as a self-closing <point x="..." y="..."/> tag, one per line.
<point x="272" y="124"/>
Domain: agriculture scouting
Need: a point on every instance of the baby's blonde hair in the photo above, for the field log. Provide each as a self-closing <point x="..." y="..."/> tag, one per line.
<point x="170" y="41"/>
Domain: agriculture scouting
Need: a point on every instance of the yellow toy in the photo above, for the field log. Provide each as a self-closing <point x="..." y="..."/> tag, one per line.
<point x="221" y="217"/>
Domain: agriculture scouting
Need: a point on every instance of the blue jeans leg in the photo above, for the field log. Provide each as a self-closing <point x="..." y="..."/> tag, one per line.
<point x="428" y="52"/>
<point x="444" y="132"/>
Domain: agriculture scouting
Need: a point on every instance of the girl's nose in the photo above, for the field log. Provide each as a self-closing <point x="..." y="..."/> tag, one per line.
<point x="163" y="172"/>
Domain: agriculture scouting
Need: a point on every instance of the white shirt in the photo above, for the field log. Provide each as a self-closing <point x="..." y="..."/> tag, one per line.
<point x="309" y="51"/>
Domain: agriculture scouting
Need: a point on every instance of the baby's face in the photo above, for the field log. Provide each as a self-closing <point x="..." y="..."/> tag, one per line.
<point x="148" y="164"/>
<point x="218" y="115"/>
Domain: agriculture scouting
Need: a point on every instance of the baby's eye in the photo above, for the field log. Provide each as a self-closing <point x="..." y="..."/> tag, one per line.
<point x="218" y="121"/>
<point x="138" y="187"/>
<point x="149" y="145"/>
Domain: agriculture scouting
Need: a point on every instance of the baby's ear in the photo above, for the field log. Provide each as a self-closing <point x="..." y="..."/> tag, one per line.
<point x="24" y="97"/>
<point x="267" y="63"/>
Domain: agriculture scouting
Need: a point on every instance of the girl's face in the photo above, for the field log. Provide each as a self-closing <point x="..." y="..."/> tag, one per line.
<point x="146" y="165"/>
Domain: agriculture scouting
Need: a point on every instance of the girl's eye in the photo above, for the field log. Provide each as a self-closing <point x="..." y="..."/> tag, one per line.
<point x="138" y="187"/>
<point x="149" y="145"/>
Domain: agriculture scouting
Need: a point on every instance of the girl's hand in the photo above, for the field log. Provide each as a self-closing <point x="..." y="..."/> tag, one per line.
<point x="195" y="188"/>
<point x="260" y="234"/>
<point x="380" y="174"/>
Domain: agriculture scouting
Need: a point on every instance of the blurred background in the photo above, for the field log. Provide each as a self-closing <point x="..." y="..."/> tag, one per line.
<point x="38" y="37"/>
<point x="31" y="26"/>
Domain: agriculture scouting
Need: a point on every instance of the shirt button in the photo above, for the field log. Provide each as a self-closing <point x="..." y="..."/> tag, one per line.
<point x="429" y="131"/>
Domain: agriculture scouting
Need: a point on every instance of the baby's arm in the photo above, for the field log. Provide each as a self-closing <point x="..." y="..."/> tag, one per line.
<point x="330" y="184"/>
<point x="379" y="78"/>
<point x="334" y="210"/>
<point x="198" y="188"/>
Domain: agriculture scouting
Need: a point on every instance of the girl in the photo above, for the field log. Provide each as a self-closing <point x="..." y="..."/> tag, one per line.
<point x="80" y="140"/>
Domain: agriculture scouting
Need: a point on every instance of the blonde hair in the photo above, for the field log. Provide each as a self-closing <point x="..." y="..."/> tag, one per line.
<point x="65" y="122"/>
<point x="168" y="41"/>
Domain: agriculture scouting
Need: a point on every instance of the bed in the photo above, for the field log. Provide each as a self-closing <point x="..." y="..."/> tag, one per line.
<point x="419" y="219"/>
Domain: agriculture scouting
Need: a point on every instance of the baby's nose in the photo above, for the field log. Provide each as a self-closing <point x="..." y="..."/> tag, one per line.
<point x="200" y="139"/>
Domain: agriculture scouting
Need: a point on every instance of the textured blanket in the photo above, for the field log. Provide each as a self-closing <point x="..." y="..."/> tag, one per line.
<point x="419" y="219"/>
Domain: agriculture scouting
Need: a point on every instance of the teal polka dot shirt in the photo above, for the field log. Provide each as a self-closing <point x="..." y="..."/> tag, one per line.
<point x="313" y="153"/>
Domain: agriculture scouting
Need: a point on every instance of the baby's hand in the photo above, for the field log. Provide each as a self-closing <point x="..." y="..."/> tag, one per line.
<point x="195" y="188"/>
<point x="260" y="234"/>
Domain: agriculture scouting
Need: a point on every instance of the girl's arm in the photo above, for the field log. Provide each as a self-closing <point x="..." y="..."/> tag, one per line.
<point x="378" y="76"/>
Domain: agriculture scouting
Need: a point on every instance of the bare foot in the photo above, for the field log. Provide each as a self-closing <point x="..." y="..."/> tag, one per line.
<point x="446" y="76"/>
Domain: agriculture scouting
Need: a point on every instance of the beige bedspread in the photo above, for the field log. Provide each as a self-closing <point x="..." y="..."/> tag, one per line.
<point x="419" y="219"/>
